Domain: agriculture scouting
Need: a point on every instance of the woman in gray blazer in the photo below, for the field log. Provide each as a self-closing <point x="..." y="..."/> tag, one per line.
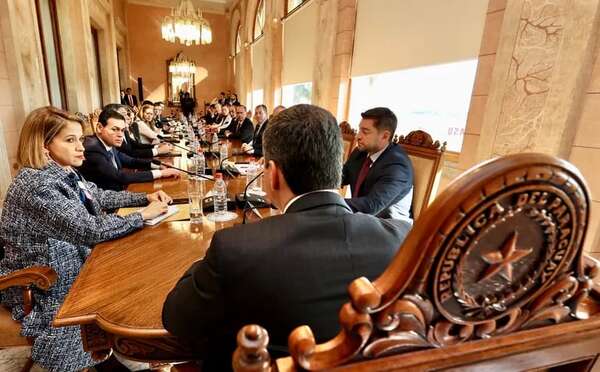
<point x="53" y="217"/>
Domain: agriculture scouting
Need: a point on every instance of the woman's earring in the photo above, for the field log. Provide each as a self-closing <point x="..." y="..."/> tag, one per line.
<point x="47" y="155"/>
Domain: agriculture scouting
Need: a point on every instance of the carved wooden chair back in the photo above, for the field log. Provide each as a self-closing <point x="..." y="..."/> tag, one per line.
<point x="498" y="252"/>
<point x="10" y="330"/>
<point x="427" y="160"/>
<point x="88" y="129"/>
<point x="349" y="141"/>
<point x="348" y="138"/>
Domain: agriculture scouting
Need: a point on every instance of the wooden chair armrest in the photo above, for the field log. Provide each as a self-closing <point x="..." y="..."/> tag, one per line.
<point x="42" y="277"/>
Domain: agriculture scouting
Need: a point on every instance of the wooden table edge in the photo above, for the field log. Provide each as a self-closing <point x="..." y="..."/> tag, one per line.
<point x="110" y="327"/>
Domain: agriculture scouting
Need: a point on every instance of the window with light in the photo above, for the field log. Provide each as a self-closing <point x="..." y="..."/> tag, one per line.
<point x="259" y="21"/>
<point x="432" y="98"/>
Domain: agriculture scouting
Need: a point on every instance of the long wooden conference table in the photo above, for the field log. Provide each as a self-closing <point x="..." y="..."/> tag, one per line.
<point x="118" y="296"/>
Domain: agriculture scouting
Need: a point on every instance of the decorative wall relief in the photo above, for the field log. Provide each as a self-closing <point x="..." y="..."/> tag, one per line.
<point x="531" y="74"/>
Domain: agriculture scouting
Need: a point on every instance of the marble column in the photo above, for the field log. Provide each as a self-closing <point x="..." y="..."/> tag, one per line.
<point x="74" y="30"/>
<point x="540" y="74"/>
<point x="342" y="62"/>
<point x="273" y="53"/>
<point x="22" y="39"/>
<point x="325" y="50"/>
<point x="22" y="79"/>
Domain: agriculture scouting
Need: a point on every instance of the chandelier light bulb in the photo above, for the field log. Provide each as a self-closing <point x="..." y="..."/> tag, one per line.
<point x="186" y="25"/>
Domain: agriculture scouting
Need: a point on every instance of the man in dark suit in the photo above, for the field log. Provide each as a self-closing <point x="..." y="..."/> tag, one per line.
<point x="262" y="120"/>
<point x="211" y="114"/>
<point x="130" y="99"/>
<point x="378" y="171"/>
<point x="130" y="146"/>
<point x="287" y="270"/>
<point x="104" y="164"/>
<point x="160" y="121"/>
<point x="241" y="128"/>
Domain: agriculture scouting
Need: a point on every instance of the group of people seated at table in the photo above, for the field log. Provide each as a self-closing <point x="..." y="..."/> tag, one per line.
<point x="281" y="272"/>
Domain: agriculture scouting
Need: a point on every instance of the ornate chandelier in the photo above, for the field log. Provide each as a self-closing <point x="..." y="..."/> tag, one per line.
<point x="187" y="25"/>
<point x="182" y="66"/>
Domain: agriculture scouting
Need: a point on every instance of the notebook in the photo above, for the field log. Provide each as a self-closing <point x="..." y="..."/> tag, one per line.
<point x="174" y="213"/>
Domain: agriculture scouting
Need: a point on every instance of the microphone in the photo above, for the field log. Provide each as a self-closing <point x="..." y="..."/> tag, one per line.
<point x="246" y="201"/>
<point x="229" y="172"/>
<point x="189" y="149"/>
<point x="158" y="162"/>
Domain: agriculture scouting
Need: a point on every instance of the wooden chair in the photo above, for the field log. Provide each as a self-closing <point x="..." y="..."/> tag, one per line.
<point x="348" y="138"/>
<point x="427" y="159"/>
<point x="349" y="141"/>
<point x="41" y="277"/>
<point x="491" y="277"/>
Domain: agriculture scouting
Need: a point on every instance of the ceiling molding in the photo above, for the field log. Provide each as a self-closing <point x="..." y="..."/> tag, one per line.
<point x="208" y="6"/>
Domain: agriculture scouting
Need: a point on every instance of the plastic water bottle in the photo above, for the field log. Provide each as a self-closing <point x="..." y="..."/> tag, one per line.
<point x="199" y="163"/>
<point x="214" y="143"/>
<point x="201" y="132"/>
<point x="223" y="152"/>
<point x="250" y="174"/>
<point x="220" y="195"/>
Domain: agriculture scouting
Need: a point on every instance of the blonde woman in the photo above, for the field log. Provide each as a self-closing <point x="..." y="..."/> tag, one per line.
<point x="143" y="129"/>
<point x="53" y="217"/>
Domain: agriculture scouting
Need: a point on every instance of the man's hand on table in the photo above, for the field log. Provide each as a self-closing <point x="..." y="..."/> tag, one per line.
<point x="169" y="172"/>
<point x="164" y="148"/>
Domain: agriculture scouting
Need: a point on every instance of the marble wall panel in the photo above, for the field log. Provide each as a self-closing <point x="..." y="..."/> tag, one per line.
<point x="496" y="5"/>
<point x="476" y="113"/>
<point x="491" y="33"/>
<point x="588" y="130"/>
<point x="531" y="74"/>
<point x="483" y="77"/>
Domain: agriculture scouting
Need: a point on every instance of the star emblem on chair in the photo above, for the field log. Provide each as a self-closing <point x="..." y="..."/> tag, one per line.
<point x="501" y="261"/>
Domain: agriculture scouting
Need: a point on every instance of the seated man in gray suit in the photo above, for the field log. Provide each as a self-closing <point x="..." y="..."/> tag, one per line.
<point x="286" y="270"/>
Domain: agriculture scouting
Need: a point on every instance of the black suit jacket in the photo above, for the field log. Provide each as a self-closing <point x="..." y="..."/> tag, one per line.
<point x="281" y="272"/>
<point x="257" y="141"/>
<point x="245" y="132"/>
<point x="387" y="190"/>
<point x="125" y="100"/>
<point x="133" y="148"/>
<point x="98" y="167"/>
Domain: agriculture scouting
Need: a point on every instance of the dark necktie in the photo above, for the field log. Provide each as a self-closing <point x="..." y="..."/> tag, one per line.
<point x="130" y="100"/>
<point x="362" y="175"/>
<point x="111" y="156"/>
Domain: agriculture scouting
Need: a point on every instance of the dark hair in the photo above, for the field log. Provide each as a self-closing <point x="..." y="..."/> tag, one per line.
<point x="109" y="114"/>
<point x="147" y="102"/>
<point x="264" y="107"/>
<point x="213" y="106"/>
<point x="114" y="106"/>
<point x="240" y="105"/>
<point x="223" y="93"/>
<point x="306" y="143"/>
<point x="383" y="119"/>
<point x="158" y="103"/>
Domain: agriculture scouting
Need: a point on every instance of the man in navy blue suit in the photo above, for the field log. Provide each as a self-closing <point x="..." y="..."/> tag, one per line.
<point x="104" y="164"/>
<point x="378" y="171"/>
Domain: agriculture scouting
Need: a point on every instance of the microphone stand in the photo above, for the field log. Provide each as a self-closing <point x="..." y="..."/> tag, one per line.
<point x="246" y="202"/>
<point x="225" y="169"/>
<point x="158" y="162"/>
